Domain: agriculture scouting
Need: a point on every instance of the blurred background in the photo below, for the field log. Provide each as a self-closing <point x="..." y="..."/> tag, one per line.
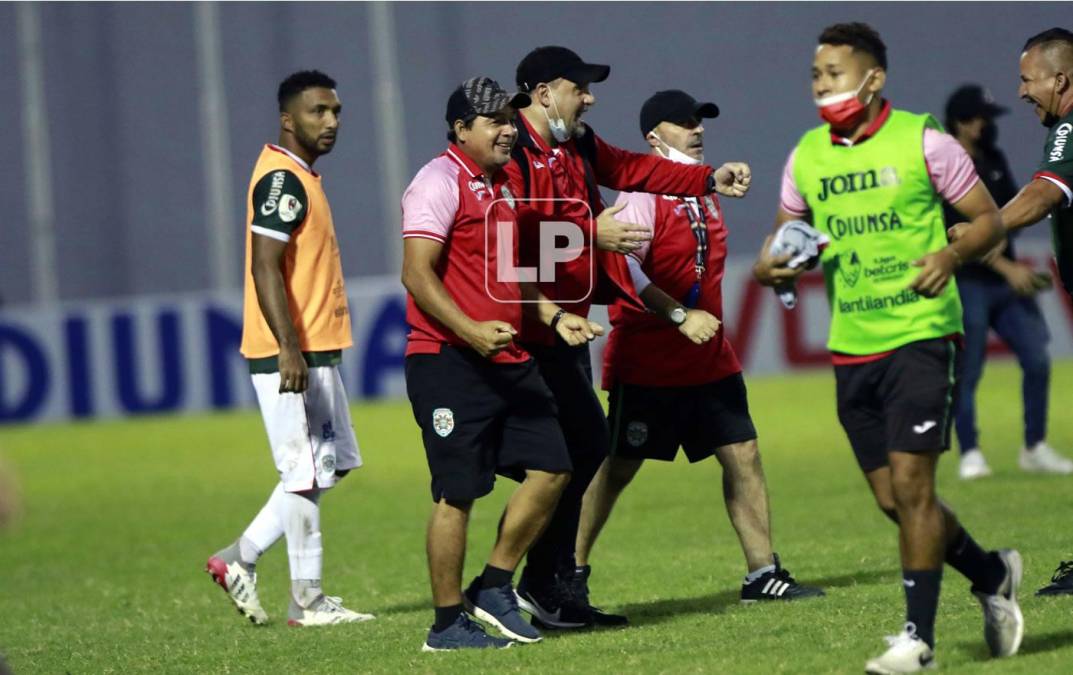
<point x="132" y="129"/>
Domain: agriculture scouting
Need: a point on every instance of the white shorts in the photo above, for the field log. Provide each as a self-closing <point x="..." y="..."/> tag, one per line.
<point x="311" y="434"/>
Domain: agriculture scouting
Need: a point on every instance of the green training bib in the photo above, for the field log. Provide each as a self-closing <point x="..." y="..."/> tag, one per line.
<point x="877" y="204"/>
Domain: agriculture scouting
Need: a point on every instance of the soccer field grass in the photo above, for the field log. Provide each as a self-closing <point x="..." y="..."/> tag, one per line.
<point x="103" y="573"/>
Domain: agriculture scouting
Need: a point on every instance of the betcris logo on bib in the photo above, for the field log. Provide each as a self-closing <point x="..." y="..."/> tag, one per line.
<point x="857" y="181"/>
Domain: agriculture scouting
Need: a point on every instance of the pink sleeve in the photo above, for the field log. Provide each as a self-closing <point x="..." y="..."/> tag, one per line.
<point x="949" y="166"/>
<point x="430" y="202"/>
<point x="790" y="200"/>
<point x="640" y="210"/>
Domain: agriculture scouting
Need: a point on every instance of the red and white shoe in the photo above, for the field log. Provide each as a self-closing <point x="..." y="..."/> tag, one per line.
<point x="240" y="585"/>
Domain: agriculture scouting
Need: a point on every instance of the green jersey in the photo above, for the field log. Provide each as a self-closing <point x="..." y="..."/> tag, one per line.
<point x="880" y="209"/>
<point x="1057" y="167"/>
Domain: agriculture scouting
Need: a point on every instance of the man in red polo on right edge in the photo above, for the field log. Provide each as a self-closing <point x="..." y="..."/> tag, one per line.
<point x="873" y="179"/>
<point x="673" y="376"/>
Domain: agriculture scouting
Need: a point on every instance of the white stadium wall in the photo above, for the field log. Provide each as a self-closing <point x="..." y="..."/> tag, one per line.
<point x="179" y="353"/>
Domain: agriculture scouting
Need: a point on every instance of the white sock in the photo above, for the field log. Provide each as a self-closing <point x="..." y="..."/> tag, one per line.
<point x="265" y="530"/>
<point x="301" y="524"/>
<point x="756" y="574"/>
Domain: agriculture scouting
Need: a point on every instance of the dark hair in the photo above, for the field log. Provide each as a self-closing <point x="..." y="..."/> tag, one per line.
<point x="298" y="82"/>
<point x="859" y="36"/>
<point x="1050" y="35"/>
<point x="467" y="122"/>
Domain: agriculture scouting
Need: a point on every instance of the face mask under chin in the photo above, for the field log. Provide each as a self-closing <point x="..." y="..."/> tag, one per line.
<point x="843" y="111"/>
<point x="557" y="126"/>
<point x="674" y="154"/>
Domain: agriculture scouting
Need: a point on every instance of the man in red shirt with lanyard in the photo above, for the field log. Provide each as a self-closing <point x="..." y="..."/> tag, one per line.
<point x="673" y="376"/>
<point x="478" y="397"/>
<point x="558" y="168"/>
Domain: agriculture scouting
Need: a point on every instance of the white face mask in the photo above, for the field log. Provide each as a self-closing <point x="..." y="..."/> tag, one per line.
<point x="674" y="154"/>
<point x="557" y="126"/>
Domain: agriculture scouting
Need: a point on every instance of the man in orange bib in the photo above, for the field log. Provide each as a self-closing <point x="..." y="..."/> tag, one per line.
<point x="295" y="326"/>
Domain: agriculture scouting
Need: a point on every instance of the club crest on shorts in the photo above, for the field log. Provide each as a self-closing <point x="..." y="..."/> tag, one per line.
<point x="443" y="421"/>
<point x="636" y="433"/>
<point x="328" y="463"/>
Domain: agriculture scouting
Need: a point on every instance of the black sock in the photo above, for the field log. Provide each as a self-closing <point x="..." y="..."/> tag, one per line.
<point x="493" y="577"/>
<point x="445" y="616"/>
<point x="922" y="601"/>
<point x="985" y="570"/>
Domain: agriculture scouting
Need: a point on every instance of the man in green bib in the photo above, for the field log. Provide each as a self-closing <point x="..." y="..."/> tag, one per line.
<point x="873" y="179"/>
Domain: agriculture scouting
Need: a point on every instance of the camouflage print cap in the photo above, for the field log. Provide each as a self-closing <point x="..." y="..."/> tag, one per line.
<point x="481" y="96"/>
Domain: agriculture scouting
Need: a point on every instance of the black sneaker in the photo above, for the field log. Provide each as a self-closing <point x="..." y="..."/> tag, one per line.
<point x="462" y="634"/>
<point x="778" y="584"/>
<point x="1061" y="582"/>
<point x="499" y="607"/>
<point x="549" y="605"/>
<point x="577" y="587"/>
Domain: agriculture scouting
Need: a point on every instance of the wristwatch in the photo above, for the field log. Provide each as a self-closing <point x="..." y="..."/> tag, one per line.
<point x="678" y="315"/>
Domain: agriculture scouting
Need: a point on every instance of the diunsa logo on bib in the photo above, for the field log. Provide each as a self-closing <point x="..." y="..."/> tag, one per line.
<point x="443" y="421"/>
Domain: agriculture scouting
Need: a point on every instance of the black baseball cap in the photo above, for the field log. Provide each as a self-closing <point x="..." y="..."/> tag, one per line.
<point x="481" y="96"/>
<point x="673" y="105"/>
<point x="972" y="100"/>
<point x="545" y="64"/>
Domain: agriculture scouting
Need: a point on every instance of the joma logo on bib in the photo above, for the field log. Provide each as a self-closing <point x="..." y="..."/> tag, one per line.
<point x="857" y="181"/>
<point x="1061" y="136"/>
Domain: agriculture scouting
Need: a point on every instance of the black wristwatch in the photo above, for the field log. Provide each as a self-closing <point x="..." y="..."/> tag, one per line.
<point x="555" y="319"/>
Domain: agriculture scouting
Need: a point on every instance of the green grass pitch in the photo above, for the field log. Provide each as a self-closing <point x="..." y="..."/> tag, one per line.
<point x="103" y="573"/>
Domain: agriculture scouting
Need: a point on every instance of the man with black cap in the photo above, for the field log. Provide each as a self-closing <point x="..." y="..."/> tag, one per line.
<point x="558" y="168"/>
<point x="477" y="395"/>
<point x="673" y="376"/>
<point x="998" y="294"/>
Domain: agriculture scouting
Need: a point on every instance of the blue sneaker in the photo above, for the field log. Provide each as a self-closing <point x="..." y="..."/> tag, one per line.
<point x="499" y="607"/>
<point x="462" y="634"/>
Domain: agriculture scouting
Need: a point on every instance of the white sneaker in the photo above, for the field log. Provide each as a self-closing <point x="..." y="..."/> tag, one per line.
<point x="907" y="654"/>
<point x="241" y="587"/>
<point x="1004" y="626"/>
<point x="973" y="465"/>
<point x="1044" y="459"/>
<point x="327" y="610"/>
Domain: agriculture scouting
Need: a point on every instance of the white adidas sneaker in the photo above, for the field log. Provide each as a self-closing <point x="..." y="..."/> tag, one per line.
<point x="973" y="465"/>
<point x="1042" y="458"/>
<point x="240" y="586"/>
<point x="327" y="610"/>
<point x="1004" y="626"/>
<point x="906" y="653"/>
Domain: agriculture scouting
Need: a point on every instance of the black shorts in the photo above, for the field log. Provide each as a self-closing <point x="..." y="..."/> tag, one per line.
<point x="902" y="402"/>
<point x="480" y="418"/>
<point x="568" y="373"/>
<point x="652" y="422"/>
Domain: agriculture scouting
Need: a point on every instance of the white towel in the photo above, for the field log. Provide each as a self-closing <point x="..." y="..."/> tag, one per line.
<point x="805" y="244"/>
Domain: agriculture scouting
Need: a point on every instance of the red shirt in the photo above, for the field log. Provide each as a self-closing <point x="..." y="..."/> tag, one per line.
<point x="449" y="201"/>
<point x="563" y="172"/>
<point x="646" y="349"/>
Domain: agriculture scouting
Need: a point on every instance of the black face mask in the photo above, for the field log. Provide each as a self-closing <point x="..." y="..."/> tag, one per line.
<point x="989" y="135"/>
